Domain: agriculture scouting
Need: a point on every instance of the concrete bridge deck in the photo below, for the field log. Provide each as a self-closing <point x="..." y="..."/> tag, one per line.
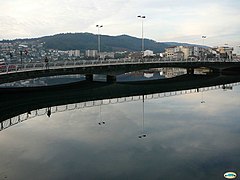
<point x="111" y="68"/>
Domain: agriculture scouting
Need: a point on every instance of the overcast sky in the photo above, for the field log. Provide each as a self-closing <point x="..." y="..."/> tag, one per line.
<point x="166" y="20"/>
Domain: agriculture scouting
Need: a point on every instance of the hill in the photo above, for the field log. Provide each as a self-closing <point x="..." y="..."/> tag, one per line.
<point x="84" y="41"/>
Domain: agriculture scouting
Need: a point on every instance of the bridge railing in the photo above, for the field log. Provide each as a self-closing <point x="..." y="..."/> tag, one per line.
<point x="13" y="68"/>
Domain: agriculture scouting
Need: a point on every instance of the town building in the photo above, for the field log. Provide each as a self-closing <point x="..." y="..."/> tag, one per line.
<point x="178" y="55"/>
<point x="170" y="52"/>
<point x="148" y="53"/>
<point x="106" y="55"/>
<point x="224" y="52"/>
<point x="91" y="53"/>
<point x="135" y="55"/>
<point x="75" y="53"/>
<point x="185" y="52"/>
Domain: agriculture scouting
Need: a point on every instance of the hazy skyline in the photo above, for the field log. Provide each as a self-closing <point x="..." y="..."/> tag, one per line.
<point x="166" y="20"/>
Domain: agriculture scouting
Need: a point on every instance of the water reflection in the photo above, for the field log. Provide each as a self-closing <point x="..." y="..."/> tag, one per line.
<point x="101" y="122"/>
<point x="153" y="74"/>
<point x="202" y="101"/>
<point x="49" y="112"/>
<point x="70" y="107"/>
<point x="143" y="134"/>
<point x="185" y="139"/>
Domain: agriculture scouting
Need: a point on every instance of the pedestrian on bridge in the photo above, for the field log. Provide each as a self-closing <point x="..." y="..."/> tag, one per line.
<point x="46" y="63"/>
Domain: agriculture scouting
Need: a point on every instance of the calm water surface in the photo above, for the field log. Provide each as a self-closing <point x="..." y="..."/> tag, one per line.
<point x="185" y="140"/>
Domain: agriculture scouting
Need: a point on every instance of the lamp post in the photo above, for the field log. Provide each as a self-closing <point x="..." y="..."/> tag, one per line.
<point x="142" y="17"/>
<point x="203" y="37"/>
<point x="99" y="26"/>
<point x="21" y="54"/>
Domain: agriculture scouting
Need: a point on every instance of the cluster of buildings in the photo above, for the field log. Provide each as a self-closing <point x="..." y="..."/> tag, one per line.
<point x="15" y="51"/>
<point x="198" y="52"/>
<point x="33" y="51"/>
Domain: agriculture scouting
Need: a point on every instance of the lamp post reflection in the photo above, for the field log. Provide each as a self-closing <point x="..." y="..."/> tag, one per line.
<point x="101" y="122"/>
<point x="202" y="101"/>
<point x="142" y="135"/>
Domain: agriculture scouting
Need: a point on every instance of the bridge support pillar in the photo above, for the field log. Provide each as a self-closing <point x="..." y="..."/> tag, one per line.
<point x="190" y="70"/>
<point x="89" y="77"/>
<point x="111" y="79"/>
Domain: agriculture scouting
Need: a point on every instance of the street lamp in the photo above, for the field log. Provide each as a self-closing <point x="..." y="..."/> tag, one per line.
<point x="99" y="26"/>
<point x="21" y="54"/>
<point x="142" y="17"/>
<point x="204" y="37"/>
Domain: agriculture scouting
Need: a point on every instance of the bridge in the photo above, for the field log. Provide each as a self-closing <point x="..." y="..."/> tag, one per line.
<point x="24" y="104"/>
<point x="110" y="68"/>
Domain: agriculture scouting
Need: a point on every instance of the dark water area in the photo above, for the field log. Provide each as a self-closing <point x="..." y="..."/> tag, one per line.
<point x="178" y="136"/>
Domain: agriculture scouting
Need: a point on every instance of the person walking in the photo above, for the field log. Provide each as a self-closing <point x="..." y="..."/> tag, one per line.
<point x="46" y="63"/>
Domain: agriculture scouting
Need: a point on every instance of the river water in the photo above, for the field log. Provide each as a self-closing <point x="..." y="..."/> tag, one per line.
<point x="183" y="137"/>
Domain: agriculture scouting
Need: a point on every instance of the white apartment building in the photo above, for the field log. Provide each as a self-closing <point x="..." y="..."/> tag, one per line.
<point x="148" y="53"/>
<point x="91" y="53"/>
<point x="196" y="51"/>
<point x="178" y="55"/>
<point x="75" y="53"/>
<point x="170" y="52"/>
<point x="177" y="52"/>
<point x="72" y="53"/>
<point x="185" y="52"/>
<point x="104" y="55"/>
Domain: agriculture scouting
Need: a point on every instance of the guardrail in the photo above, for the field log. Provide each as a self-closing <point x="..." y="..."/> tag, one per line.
<point x="13" y="68"/>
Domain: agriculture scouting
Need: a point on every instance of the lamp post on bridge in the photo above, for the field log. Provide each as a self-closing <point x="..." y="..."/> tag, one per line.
<point x="204" y="37"/>
<point x="21" y="54"/>
<point x="238" y="52"/>
<point x="99" y="47"/>
<point x="142" y="17"/>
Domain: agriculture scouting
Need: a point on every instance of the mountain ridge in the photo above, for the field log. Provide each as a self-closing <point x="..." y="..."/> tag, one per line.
<point x="85" y="41"/>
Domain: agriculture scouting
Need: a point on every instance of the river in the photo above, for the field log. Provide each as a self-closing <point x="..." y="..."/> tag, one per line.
<point x="185" y="136"/>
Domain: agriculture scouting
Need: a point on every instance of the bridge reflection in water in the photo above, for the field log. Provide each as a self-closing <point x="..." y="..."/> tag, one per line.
<point x="22" y="104"/>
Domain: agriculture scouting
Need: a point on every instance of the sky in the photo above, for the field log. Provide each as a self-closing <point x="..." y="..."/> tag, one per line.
<point x="166" y="20"/>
